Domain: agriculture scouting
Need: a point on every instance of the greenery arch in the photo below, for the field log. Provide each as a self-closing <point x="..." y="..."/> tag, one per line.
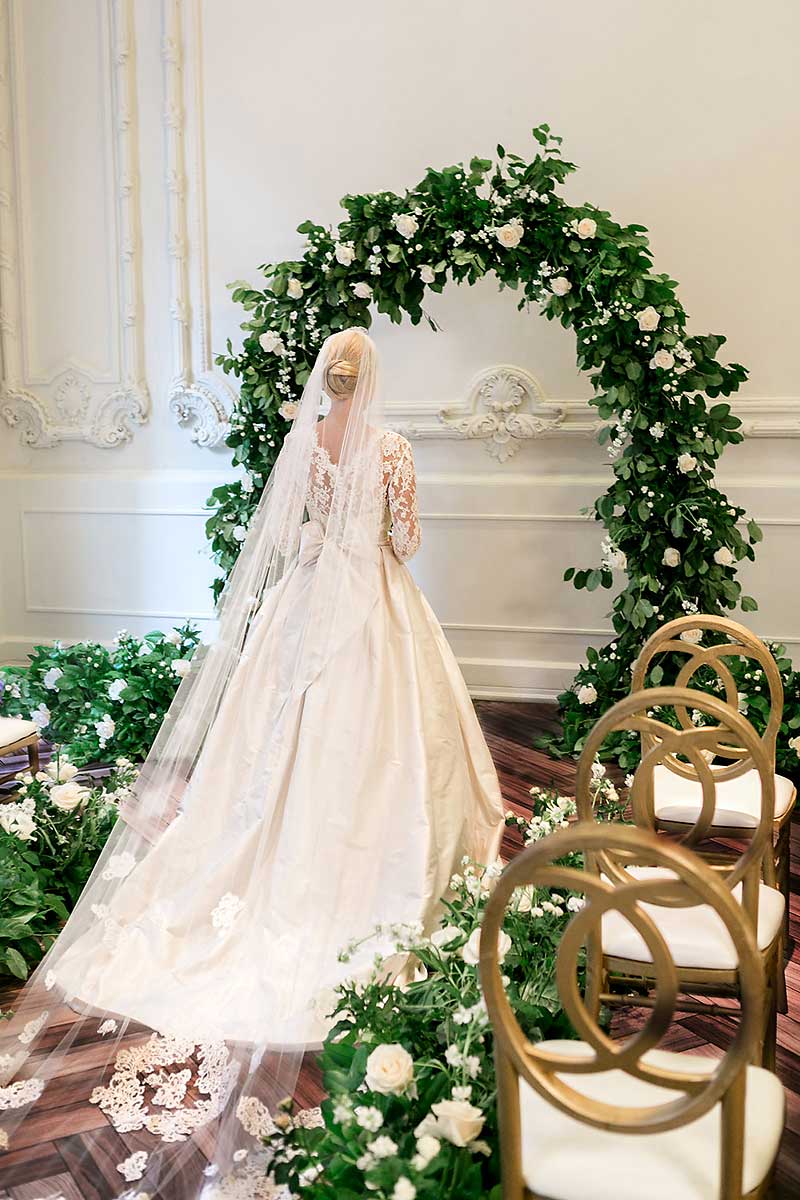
<point x="668" y="529"/>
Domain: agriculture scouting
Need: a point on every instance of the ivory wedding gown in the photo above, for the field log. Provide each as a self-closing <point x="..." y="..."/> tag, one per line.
<point x="423" y="794"/>
<point x="320" y="772"/>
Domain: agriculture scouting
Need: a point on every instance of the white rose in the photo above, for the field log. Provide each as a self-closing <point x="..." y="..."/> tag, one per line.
<point x="51" y="678"/>
<point x="672" y="557"/>
<point x="294" y="289"/>
<point x="458" y="1121"/>
<point x="116" y="688"/>
<point x="62" y="771"/>
<point x="723" y="557"/>
<point x="390" y="1070"/>
<point x="19" y="824"/>
<point x="405" y="224"/>
<point x="442" y="938"/>
<point x="663" y="359"/>
<point x="648" y="319"/>
<point x="239" y="533"/>
<point x="344" y="253"/>
<point x="692" y="636"/>
<point x="427" y="274"/>
<point x="617" y="559"/>
<point x="41" y="716"/>
<point x="105" y="728"/>
<point x="560" y="286"/>
<point x="288" y="410"/>
<point x="271" y="342"/>
<point x="587" y="693"/>
<point x="795" y="744"/>
<point x="587" y="227"/>
<point x="362" y="290"/>
<point x="470" y="952"/>
<point x="522" y="899"/>
<point x="510" y="235"/>
<point x="173" y="637"/>
<point x="181" y="667"/>
<point x="68" y="796"/>
<point x="686" y="463"/>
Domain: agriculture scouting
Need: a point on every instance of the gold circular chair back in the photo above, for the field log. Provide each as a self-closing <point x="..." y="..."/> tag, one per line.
<point x="695" y="745"/>
<point x="740" y="643"/>
<point x="691" y="881"/>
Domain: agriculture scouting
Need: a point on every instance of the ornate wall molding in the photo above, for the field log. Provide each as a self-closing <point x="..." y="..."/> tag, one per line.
<point x="505" y="406"/>
<point x="73" y="402"/>
<point x="199" y="397"/>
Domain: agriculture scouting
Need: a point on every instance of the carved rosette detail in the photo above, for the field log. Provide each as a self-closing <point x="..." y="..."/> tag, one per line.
<point x="504" y="407"/>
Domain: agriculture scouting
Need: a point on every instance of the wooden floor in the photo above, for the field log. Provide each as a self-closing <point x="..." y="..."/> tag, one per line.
<point x="69" y="1149"/>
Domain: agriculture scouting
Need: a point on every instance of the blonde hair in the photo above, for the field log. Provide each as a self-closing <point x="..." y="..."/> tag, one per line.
<point x="344" y="363"/>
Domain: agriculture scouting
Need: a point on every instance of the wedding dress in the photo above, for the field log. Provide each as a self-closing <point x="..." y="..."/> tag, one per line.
<point x="321" y="772"/>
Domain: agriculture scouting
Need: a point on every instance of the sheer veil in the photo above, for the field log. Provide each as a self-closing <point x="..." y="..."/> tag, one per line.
<point x="172" y="1014"/>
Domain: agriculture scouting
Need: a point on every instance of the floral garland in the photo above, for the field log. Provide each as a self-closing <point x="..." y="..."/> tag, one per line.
<point x="668" y="528"/>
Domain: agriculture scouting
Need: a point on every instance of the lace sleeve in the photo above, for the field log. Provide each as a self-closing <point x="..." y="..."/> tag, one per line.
<point x="402" y="497"/>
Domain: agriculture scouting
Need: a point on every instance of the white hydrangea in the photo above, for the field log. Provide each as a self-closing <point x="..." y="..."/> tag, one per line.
<point x="51" y="678"/>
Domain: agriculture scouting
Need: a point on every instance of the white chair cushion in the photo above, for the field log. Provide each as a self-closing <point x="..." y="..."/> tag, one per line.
<point x="565" y="1159"/>
<point x="12" y="729"/>
<point x="738" y="801"/>
<point x="697" y="937"/>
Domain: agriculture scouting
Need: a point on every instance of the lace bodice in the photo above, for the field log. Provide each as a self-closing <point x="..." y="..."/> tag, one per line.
<point x="395" y="493"/>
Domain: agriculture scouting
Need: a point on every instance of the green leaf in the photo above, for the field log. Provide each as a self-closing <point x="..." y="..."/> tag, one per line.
<point x="754" y="531"/>
<point x="16" y="963"/>
<point x="638" y="288"/>
<point x="748" y="604"/>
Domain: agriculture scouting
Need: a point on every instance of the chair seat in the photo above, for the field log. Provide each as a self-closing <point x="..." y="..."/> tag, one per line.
<point x="738" y="801"/>
<point x="697" y="937"/>
<point x="561" y="1154"/>
<point x="14" y="729"/>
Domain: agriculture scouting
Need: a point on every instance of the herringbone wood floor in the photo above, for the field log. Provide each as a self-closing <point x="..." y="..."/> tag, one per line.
<point x="67" y="1148"/>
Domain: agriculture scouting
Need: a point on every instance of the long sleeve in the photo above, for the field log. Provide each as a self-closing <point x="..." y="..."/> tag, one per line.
<point x="402" y="496"/>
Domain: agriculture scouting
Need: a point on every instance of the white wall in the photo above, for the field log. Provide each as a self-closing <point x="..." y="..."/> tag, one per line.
<point x="156" y="149"/>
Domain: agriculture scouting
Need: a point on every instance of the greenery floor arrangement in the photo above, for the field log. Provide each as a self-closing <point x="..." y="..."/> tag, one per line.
<point x="409" y="1071"/>
<point x="51" y="835"/>
<point x="93" y="704"/>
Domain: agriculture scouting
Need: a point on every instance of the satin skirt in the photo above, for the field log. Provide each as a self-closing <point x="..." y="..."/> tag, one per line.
<point x="379" y="783"/>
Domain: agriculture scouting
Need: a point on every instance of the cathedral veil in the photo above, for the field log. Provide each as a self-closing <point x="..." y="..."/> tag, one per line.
<point x="171" y="1064"/>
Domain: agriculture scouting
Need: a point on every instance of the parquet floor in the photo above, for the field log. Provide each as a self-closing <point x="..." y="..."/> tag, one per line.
<point x="68" y="1149"/>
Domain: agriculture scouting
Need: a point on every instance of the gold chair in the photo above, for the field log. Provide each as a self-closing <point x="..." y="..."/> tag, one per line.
<point x="618" y="963"/>
<point x="676" y="786"/>
<point x="16" y="734"/>
<point x="623" y="1119"/>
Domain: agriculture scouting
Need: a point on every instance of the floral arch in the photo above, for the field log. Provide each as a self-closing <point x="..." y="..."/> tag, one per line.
<point x="672" y="540"/>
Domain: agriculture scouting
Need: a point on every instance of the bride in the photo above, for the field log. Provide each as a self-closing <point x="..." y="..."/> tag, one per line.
<point x="321" y="772"/>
